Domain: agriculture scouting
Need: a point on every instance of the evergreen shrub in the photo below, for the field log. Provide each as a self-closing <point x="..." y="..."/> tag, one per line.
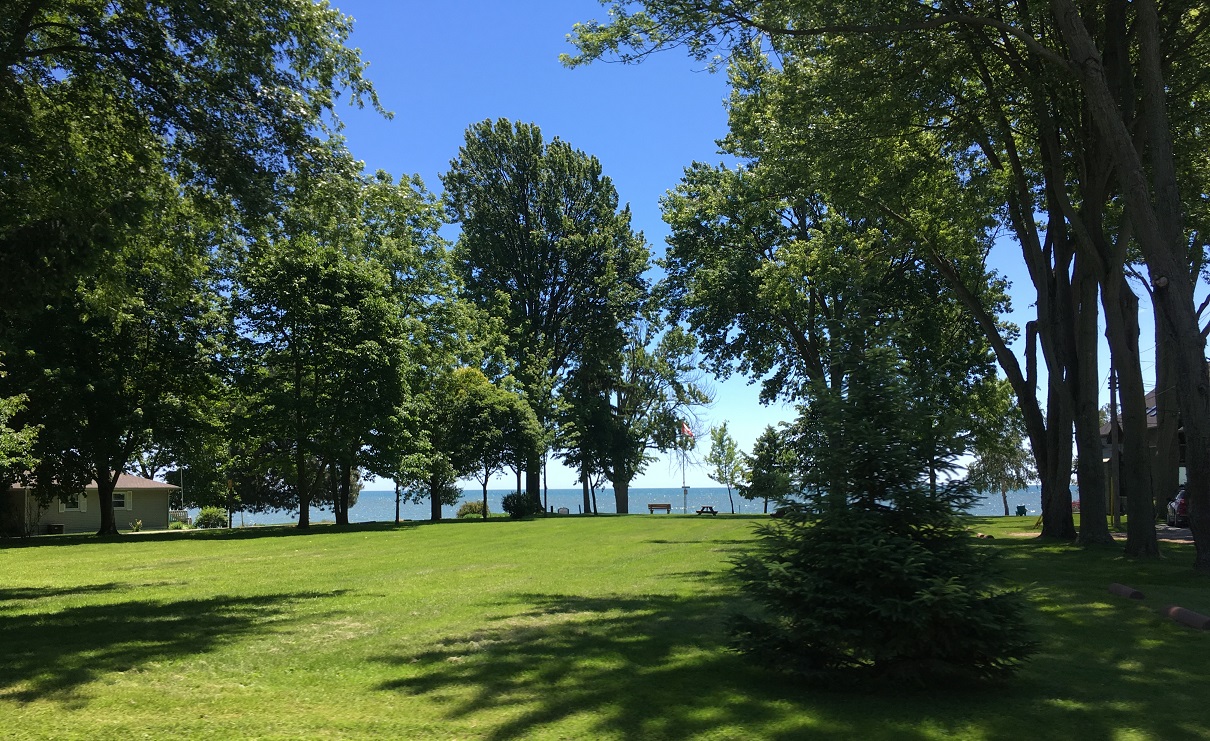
<point x="871" y="572"/>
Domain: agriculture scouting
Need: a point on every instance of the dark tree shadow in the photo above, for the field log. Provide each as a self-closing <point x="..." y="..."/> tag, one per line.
<point x="625" y="661"/>
<point x="239" y="533"/>
<point x="57" y="655"/>
<point x="15" y="594"/>
<point x="650" y="667"/>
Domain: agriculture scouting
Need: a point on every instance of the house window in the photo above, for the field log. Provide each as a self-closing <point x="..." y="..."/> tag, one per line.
<point x="121" y="500"/>
<point x="72" y="503"/>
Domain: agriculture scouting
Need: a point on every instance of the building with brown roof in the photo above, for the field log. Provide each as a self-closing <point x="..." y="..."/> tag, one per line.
<point x="135" y="500"/>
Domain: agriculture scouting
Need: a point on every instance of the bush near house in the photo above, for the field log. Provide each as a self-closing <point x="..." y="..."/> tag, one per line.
<point x="211" y="517"/>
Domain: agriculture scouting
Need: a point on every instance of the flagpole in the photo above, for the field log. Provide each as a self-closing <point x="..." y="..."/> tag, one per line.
<point x="684" y="487"/>
<point x="684" y="432"/>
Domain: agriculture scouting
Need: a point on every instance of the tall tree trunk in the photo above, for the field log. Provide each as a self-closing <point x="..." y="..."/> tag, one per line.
<point x="107" y="481"/>
<point x="398" y="498"/>
<point x="486" y="478"/>
<point x="304" y="489"/>
<point x="533" y="476"/>
<point x="1122" y="329"/>
<point x="729" y="499"/>
<point x="1094" y="528"/>
<point x="1166" y="457"/>
<point x="621" y="495"/>
<point x="1155" y="210"/>
<point x="435" y="499"/>
<point x="342" y="502"/>
<point x="584" y="483"/>
<point x="1004" y="498"/>
<point x="1050" y="434"/>
<point x="1057" y="520"/>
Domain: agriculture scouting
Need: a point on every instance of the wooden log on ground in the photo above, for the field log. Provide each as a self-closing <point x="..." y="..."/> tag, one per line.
<point x="1187" y="617"/>
<point x="1122" y="590"/>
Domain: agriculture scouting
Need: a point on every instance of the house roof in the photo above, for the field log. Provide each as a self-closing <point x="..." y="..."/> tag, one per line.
<point x="128" y="481"/>
<point x="125" y="481"/>
<point x="1152" y="420"/>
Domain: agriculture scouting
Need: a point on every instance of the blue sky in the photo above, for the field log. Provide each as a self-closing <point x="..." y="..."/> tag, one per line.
<point x="440" y="67"/>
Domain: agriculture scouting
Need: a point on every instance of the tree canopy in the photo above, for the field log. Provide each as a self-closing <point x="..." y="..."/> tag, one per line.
<point x="545" y="248"/>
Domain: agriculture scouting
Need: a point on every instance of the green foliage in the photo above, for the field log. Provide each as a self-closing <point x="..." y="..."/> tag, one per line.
<point x="136" y="525"/>
<point x="874" y="574"/>
<point x="16" y="445"/>
<point x="129" y="358"/>
<point x="769" y="468"/>
<point x="495" y="427"/>
<point x="473" y="508"/>
<point x="897" y="595"/>
<point x="724" y="461"/>
<point x="1002" y="460"/>
<point x="623" y="403"/>
<point x="521" y="504"/>
<point x="146" y="136"/>
<point x="325" y="310"/>
<point x="177" y="525"/>
<point x="545" y="249"/>
<point x="210" y="517"/>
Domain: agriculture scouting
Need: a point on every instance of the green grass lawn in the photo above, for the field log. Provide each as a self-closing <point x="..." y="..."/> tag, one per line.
<point x="570" y="627"/>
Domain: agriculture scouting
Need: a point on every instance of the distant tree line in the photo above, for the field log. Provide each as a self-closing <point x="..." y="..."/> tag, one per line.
<point x="205" y="285"/>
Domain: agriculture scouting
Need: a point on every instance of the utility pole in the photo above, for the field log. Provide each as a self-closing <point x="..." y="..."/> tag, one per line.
<point x="1115" y="472"/>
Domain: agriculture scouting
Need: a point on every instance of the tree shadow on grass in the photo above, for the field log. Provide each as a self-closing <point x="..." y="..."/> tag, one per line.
<point x="653" y="666"/>
<point x="15" y="594"/>
<point x="56" y="655"/>
<point x="626" y="663"/>
<point x="650" y="667"/>
<point x="239" y="533"/>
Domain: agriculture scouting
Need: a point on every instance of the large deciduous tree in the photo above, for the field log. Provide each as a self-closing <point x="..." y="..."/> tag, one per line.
<point x="545" y="247"/>
<point x="1082" y="109"/>
<point x="321" y="326"/>
<point x="124" y="361"/>
<point x="784" y="284"/>
<point x="636" y="404"/>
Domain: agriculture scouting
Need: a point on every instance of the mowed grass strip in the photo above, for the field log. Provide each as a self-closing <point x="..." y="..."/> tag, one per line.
<point x="569" y="627"/>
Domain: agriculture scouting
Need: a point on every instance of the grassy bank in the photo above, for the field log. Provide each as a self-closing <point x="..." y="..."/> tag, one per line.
<point x="608" y="627"/>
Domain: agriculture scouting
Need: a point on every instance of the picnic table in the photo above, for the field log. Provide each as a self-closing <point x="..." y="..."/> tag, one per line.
<point x="707" y="510"/>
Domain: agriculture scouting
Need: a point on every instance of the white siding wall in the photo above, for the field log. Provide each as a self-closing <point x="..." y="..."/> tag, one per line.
<point x="148" y="505"/>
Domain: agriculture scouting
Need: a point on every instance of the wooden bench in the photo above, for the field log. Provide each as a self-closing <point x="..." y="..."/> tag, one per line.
<point x="707" y="510"/>
<point x="651" y="508"/>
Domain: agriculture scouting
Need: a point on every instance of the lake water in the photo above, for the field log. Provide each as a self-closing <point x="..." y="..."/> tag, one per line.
<point x="379" y="506"/>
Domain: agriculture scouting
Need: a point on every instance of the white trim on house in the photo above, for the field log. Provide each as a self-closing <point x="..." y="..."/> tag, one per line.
<point x="81" y="504"/>
<point x="127" y="500"/>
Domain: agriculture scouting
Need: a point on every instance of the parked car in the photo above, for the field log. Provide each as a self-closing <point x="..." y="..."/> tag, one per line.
<point x="1178" y="509"/>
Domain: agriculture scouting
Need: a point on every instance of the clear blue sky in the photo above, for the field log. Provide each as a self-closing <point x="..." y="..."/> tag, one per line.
<point x="440" y="67"/>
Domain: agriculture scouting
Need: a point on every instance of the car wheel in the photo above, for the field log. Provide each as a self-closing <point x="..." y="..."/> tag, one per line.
<point x="1169" y="520"/>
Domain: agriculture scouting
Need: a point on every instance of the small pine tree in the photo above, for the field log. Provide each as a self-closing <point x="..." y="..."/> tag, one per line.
<point x="874" y="574"/>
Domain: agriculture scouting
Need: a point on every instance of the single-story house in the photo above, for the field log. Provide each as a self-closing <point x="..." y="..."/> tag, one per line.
<point x="134" y="499"/>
